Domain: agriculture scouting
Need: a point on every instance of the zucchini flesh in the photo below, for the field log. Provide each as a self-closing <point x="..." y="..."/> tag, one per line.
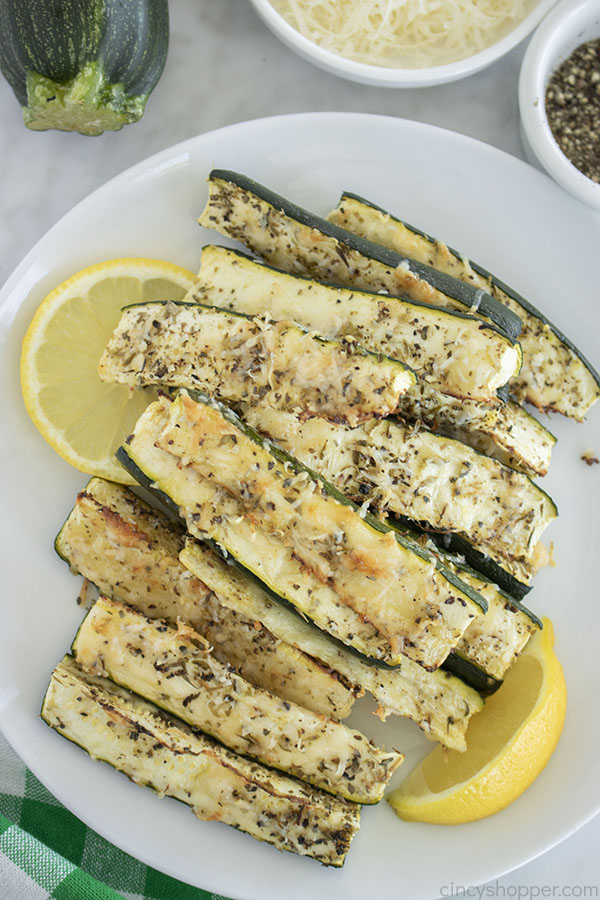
<point x="308" y="543"/>
<point x="440" y="704"/>
<point x="175" y="669"/>
<point x="242" y="358"/>
<point x="555" y="376"/>
<point x="504" y="632"/>
<point x="515" y="438"/>
<point x="506" y="433"/>
<point x="160" y="752"/>
<point x="131" y="553"/>
<point x="434" y="480"/>
<point x="454" y="352"/>
<point x="492" y="642"/>
<point x="295" y="240"/>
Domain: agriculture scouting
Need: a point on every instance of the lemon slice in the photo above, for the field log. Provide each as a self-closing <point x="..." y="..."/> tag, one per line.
<point x="508" y="744"/>
<point x="81" y="417"/>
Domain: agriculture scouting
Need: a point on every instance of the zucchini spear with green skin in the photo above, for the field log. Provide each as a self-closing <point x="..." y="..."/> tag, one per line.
<point x="237" y="358"/>
<point x="350" y="574"/>
<point x="555" y="376"/>
<point x="492" y="641"/>
<point x="163" y="753"/>
<point x="130" y="551"/>
<point x="451" y="351"/>
<point x="506" y="433"/>
<point x="439" y="703"/>
<point x="433" y="480"/>
<point x="176" y="669"/>
<point x="512" y="436"/>
<point x="298" y="241"/>
<point x="421" y="335"/>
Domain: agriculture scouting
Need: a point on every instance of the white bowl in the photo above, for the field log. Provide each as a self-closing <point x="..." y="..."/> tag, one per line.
<point x="572" y="23"/>
<point x="388" y="77"/>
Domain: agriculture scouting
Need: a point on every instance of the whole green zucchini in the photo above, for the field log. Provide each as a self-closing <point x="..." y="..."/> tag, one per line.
<point x="83" y="65"/>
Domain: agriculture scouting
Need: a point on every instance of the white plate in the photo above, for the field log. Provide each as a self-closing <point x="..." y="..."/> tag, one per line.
<point x="504" y="214"/>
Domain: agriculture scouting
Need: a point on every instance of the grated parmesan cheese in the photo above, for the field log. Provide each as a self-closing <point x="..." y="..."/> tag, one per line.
<point x="403" y="33"/>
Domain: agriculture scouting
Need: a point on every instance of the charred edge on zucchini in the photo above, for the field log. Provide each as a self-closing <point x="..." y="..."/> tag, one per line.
<point x="448" y="290"/>
<point x="160" y="752"/>
<point x="176" y="669"/>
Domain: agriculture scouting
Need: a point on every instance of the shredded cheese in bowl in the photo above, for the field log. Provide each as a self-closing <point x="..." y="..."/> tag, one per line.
<point x="404" y="33"/>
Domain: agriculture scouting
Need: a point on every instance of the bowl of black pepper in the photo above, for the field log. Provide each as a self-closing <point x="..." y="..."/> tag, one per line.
<point x="559" y="98"/>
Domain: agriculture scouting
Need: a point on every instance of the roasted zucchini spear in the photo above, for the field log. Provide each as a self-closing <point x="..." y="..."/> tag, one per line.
<point x="455" y="353"/>
<point x="237" y="358"/>
<point x="176" y="669"/>
<point x="439" y="703"/>
<point x="161" y="752"/>
<point x="130" y="551"/>
<point x="298" y="241"/>
<point x="512" y="436"/>
<point x="436" y="481"/>
<point x="419" y="334"/>
<point x="506" y="433"/>
<point x="349" y="573"/>
<point x="555" y="377"/>
<point x="493" y="641"/>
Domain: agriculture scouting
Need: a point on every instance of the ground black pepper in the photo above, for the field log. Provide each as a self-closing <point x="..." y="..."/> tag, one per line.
<point x="573" y="108"/>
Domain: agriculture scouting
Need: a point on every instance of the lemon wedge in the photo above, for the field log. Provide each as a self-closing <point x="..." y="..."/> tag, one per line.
<point x="508" y="744"/>
<point x="81" y="417"/>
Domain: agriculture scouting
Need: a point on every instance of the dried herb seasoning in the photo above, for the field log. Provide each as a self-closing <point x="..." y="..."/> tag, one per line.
<point x="573" y="108"/>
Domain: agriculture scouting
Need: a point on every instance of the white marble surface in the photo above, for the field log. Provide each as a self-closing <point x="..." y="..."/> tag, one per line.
<point x="224" y="67"/>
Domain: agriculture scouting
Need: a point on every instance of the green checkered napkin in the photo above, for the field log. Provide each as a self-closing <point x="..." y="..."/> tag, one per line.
<point x="46" y="853"/>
